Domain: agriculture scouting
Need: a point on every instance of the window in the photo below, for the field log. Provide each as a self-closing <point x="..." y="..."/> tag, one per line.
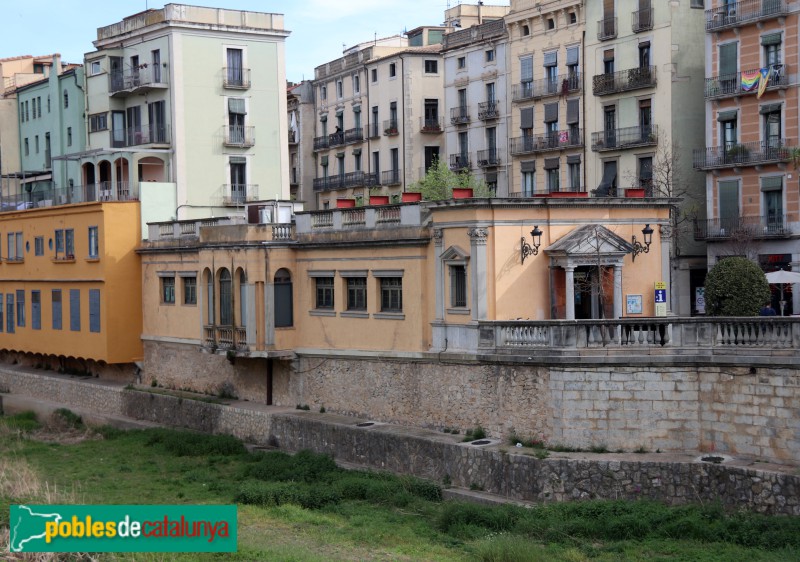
<point x="728" y="66"/>
<point x="339" y="89"/>
<point x="10" y="313"/>
<point x="458" y="286"/>
<point x="75" y="310"/>
<point x="729" y="129"/>
<point x="324" y="291"/>
<point x="1" y="313"/>
<point x="95" y="68"/>
<point x="94" y="310"/>
<point x="56" y="300"/>
<point x="15" y="247"/>
<point x="39" y="106"/>
<point x="772" y="124"/>
<point x="20" y="308"/>
<point x="525" y="31"/>
<point x="698" y="4"/>
<point x="391" y="294"/>
<point x="225" y="298"/>
<point x="189" y="290"/>
<point x="528" y="180"/>
<point x="236" y="118"/>
<point x="69" y="242"/>
<point x="526" y="70"/>
<point x="490" y="55"/>
<point x="772" y="48"/>
<point x="283" y="298"/>
<point x="69" y="136"/>
<point x="48" y="103"/>
<point x="36" y="310"/>
<point x="36" y="143"/>
<point x="772" y="190"/>
<point x="608" y="61"/>
<point x="552" y="172"/>
<point x="156" y="59"/>
<point x="392" y="70"/>
<point x="27" y="148"/>
<point x="323" y="92"/>
<point x="234" y="74"/>
<point x="573" y="62"/>
<point x="573" y="18"/>
<point x="574" y="171"/>
<point x="431" y="66"/>
<point x="38" y="246"/>
<point x="98" y="122"/>
<point x="66" y="99"/>
<point x="645" y="119"/>
<point x="461" y="62"/>
<point x="374" y="73"/>
<point x="644" y="55"/>
<point x="93" y="242"/>
<point x="645" y="165"/>
<point x="356" y="84"/>
<point x="356" y="293"/>
<point x="551" y="23"/>
<point x="168" y="290"/>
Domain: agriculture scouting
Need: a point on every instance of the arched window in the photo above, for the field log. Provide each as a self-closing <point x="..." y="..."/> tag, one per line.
<point x="225" y="298"/>
<point x="283" y="299"/>
<point x="242" y="298"/>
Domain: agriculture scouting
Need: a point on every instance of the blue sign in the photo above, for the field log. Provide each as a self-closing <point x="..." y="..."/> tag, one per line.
<point x="661" y="295"/>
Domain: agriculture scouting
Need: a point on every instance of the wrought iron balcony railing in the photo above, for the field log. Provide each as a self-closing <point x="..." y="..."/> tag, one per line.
<point x="606" y="29"/>
<point x="360" y="179"/>
<point x="239" y="193"/>
<point x="488" y="110"/>
<point x="354" y="135"/>
<point x="236" y="135"/>
<point x="430" y="126"/>
<point x="624" y="80"/>
<point x="556" y="140"/>
<point x="626" y="137"/>
<point x="459" y="161"/>
<point x="734" y="14"/>
<point x="140" y="80"/>
<point x="488" y="157"/>
<point x="742" y="154"/>
<point x="642" y="20"/>
<point x="745" y="227"/>
<point x="321" y="143"/>
<point x="374" y="130"/>
<point x="143" y="134"/>
<point x="731" y="85"/>
<point x="235" y="78"/>
<point x="459" y="115"/>
<point x="390" y="177"/>
<point x="330" y="183"/>
<point x="45" y="195"/>
<point x="544" y="87"/>
<point x="390" y="128"/>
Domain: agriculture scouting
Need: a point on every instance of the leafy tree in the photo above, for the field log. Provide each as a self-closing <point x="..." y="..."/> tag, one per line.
<point x="440" y="180"/>
<point x="736" y="287"/>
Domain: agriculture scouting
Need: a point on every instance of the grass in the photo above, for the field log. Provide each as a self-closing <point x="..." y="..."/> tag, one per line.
<point x="304" y="507"/>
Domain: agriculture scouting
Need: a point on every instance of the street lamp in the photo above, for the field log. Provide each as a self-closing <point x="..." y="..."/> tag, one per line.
<point x="638" y="247"/>
<point x="528" y="250"/>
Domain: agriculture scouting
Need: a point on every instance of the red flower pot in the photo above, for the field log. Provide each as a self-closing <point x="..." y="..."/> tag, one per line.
<point x="462" y="192"/>
<point x="410" y="196"/>
<point x="345" y="203"/>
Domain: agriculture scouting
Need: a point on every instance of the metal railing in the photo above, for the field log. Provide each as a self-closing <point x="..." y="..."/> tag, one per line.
<point x="235" y="77"/>
<point x="642" y="20"/>
<point x="321" y="143"/>
<point x="374" y="130"/>
<point x="292" y="137"/>
<point x="626" y="137"/>
<point x="390" y="127"/>
<point x="50" y="196"/>
<point x="742" y="154"/>
<point x="544" y="87"/>
<point x="143" y="134"/>
<point x="563" y="189"/>
<point x="606" y="29"/>
<point x="624" y="80"/>
<point x="239" y="193"/>
<point x="556" y="140"/>
<point x="459" y="115"/>
<point x="141" y="78"/>
<point x="734" y="14"/>
<point x="354" y="135"/>
<point x="330" y="183"/>
<point x="488" y="157"/>
<point x="745" y="227"/>
<point x="459" y="162"/>
<point x="726" y="85"/>
<point x="236" y="135"/>
<point x="360" y="179"/>
<point x="430" y="125"/>
<point x="488" y="110"/>
<point x="390" y="177"/>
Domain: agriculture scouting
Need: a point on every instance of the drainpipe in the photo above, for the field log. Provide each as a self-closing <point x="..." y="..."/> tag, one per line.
<point x="583" y="109"/>
<point x="403" y="109"/>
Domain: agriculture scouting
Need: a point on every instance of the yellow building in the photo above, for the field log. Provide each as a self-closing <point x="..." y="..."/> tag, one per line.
<point x="70" y="282"/>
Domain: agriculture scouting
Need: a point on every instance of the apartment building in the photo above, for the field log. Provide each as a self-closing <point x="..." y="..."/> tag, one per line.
<point x="300" y="105"/>
<point x="644" y="116"/>
<point x="186" y="110"/>
<point x="751" y="129"/>
<point x="547" y="139"/>
<point x="476" y="85"/>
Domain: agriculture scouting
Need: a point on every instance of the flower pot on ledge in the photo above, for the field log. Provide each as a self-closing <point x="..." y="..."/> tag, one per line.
<point x="410" y="196"/>
<point x="378" y="199"/>
<point x="634" y="192"/>
<point x="462" y="192"/>
<point x="345" y="203"/>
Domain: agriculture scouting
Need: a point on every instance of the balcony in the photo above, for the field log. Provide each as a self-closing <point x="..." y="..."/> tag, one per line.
<point x="562" y="192"/>
<point x="141" y="81"/>
<point x="237" y="194"/>
<point x="242" y="137"/>
<point x="293" y="137"/>
<point x="745" y="228"/>
<point x="227" y="338"/>
<point x="355" y="135"/>
<point x="459" y="115"/>
<point x="745" y="12"/>
<point x="50" y="196"/>
<point x="606" y="29"/>
<point x="488" y="110"/>
<point x="335" y="139"/>
<point x="143" y="134"/>
<point x="488" y="157"/>
<point x="430" y="126"/>
<point x="390" y="177"/>
<point x="459" y="162"/>
<point x="330" y="183"/>
<point x="375" y="131"/>
<point x="642" y="20"/>
<point x="321" y="143"/>
<point x="742" y="154"/>
<point x="294" y="177"/>
<point x="556" y="140"/>
<point x="624" y="80"/>
<point x="730" y="85"/>
<point x="360" y="179"/>
<point x="390" y="128"/>
<point x="235" y="78"/>
<point x="545" y="87"/>
<point x="624" y="138"/>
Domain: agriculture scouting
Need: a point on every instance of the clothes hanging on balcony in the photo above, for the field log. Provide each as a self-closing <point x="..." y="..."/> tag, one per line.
<point x="750" y="79"/>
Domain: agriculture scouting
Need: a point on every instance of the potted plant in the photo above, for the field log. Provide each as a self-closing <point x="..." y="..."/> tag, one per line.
<point x="411" y="196"/>
<point x="462" y="192"/>
<point x="345" y="203"/>
<point x="737" y="152"/>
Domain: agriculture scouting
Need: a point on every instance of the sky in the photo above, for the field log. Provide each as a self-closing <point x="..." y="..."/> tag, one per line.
<point x="319" y="28"/>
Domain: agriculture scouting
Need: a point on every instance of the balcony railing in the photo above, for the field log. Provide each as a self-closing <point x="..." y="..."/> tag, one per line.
<point x="143" y="79"/>
<point x="235" y="78"/>
<point x="330" y="183"/>
<point x="488" y="110"/>
<point x="624" y="80"/>
<point x="390" y="177"/>
<point x="488" y="157"/>
<point x="390" y="127"/>
<point x="335" y="139"/>
<point x="459" y="162"/>
<point x="746" y="227"/>
<point x="606" y="29"/>
<point x="50" y="196"/>
<point x="143" y="134"/>
<point x="360" y="179"/>
<point x="642" y="20"/>
<point x="544" y="87"/>
<point x="730" y="85"/>
<point x="354" y="135"/>
<point x="239" y="193"/>
<point x="556" y="140"/>
<point x="236" y="135"/>
<point x="430" y="126"/>
<point x="232" y="338"/>
<point x="374" y="130"/>
<point x="459" y="115"/>
<point x="627" y="137"/>
<point x="742" y="154"/>
<point x="563" y="189"/>
<point x="321" y="143"/>
<point x="741" y="13"/>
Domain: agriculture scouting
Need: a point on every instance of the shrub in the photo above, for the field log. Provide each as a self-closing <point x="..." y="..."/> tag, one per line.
<point x="68" y="418"/>
<point x="736" y="286"/>
<point x="24" y="421"/>
<point x="279" y="493"/>
<point x="305" y="466"/>
<point x="188" y="444"/>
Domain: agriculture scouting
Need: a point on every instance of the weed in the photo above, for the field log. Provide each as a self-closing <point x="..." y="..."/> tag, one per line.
<point x="188" y="444"/>
<point x="227" y="390"/>
<point x="24" y="421"/>
<point x="322" y="409"/>
<point x="476" y="487"/>
<point x="641" y="450"/>
<point x="599" y="448"/>
<point x="447" y="481"/>
<point x="68" y="418"/>
<point x="474" y="434"/>
<point x="305" y="407"/>
<point x="154" y="383"/>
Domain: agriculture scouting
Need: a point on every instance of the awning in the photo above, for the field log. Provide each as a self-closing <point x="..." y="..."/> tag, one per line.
<point x="573" y="54"/>
<point x="550" y="112"/>
<point x="609" y="177"/>
<point x="772" y="183"/>
<point x="34" y="179"/>
<point x="727" y="115"/>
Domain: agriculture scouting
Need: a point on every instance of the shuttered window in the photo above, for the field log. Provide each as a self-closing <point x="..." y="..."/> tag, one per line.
<point x="36" y="310"/>
<point x="75" y="310"/>
<point x="772" y="183"/>
<point x="56" y="296"/>
<point x="728" y="199"/>
<point x="728" y="58"/>
<point x="21" y="308"/>
<point x="10" y="313"/>
<point x="526" y="69"/>
<point x="551" y="58"/>
<point x="573" y="111"/>
<point x="572" y="55"/>
<point x="94" y="310"/>
<point x="551" y="112"/>
<point x="526" y="118"/>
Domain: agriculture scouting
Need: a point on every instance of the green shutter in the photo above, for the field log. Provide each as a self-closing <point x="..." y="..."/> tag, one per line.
<point x="771" y="39"/>
<point x="772" y="183"/>
<point x="728" y="55"/>
<point x="728" y="199"/>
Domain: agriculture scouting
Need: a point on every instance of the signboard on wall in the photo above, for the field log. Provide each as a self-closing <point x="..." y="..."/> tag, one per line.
<point x="634" y="304"/>
<point x="660" y="298"/>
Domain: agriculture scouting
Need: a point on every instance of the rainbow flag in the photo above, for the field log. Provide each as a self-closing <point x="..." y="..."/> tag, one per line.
<point x="750" y="79"/>
<point x="763" y="81"/>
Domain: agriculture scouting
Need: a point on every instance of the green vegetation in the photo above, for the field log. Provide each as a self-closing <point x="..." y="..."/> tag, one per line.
<point x="304" y="507"/>
<point x="736" y="286"/>
<point x="440" y="180"/>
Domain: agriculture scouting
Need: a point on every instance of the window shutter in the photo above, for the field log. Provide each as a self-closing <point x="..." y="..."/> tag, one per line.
<point x="608" y="55"/>
<point x="526" y="118"/>
<point x="573" y="111"/>
<point x="491" y="177"/>
<point x="574" y="159"/>
<point x="551" y="58"/>
<point x="236" y="105"/>
<point x="728" y="199"/>
<point x="573" y="55"/>
<point x="529" y="166"/>
<point x="772" y="183"/>
<point x="526" y="69"/>
<point x="56" y="296"/>
<point x="727" y="115"/>
<point x="36" y="310"/>
<point x="238" y="160"/>
<point x="551" y="163"/>
<point x="94" y="310"/>
<point x="771" y="39"/>
<point x="550" y="112"/>
<point x="75" y="310"/>
<point x="728" y="58"/>
<point x="324" y="161"/>
<point x="769" y="108"/>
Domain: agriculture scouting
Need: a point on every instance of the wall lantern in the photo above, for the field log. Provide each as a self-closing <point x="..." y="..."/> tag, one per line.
<point x="639" y="248"/>
<point x="528" y="250"/>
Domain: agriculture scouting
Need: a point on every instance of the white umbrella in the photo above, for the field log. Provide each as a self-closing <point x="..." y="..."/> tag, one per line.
<point x="782" y="277"/>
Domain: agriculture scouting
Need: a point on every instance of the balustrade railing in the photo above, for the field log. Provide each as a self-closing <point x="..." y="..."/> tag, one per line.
<point x="225" y="337"/>
<point x="733" y="14"/>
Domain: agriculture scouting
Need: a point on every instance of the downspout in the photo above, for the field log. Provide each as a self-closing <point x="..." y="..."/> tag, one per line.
<point x="403" y="106"/>
<point x="583" y="108"/>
